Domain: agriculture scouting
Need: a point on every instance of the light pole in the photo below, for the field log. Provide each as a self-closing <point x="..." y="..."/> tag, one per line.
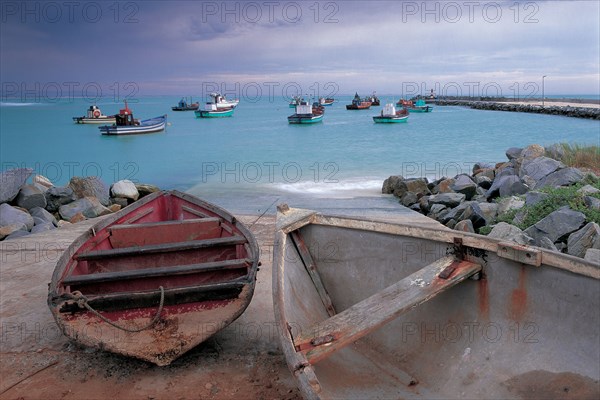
<point x="543" y="90"/>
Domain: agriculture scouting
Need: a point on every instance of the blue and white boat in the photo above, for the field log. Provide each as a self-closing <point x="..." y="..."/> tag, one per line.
<point x="212" y="110"/>
<point x="127" y="125"/>
<point x="94" y="116"/>
<point x="390" y="115"/>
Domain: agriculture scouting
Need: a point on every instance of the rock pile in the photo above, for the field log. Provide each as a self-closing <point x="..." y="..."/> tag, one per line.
<point x="39" y="206"/>
<point x="483" y="201"/>
<point x="567" y="111"/>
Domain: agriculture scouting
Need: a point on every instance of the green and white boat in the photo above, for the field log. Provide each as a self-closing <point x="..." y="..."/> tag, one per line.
<point x="390" y="115"/>
<point x="211" y="110"/>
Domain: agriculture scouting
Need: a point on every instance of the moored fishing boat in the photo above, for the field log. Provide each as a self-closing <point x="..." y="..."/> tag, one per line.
<point x="183" y="105"/>
<point x="421" y="106"/>
<point x="94" y="116"/>
<point x="369" y="309"/>
<point x="307" y="114"/>
<point x="213" y="111"/>
<point x="358" y="104"/>
<point x="373" y="99"/>
<point x="390" y="115"/>
<point x="156" y="278"/>
<point x="221" y="101"/>
<point x="125" y="124"/>
<point x="326" y="101"/>
<point x="295" y="101"/>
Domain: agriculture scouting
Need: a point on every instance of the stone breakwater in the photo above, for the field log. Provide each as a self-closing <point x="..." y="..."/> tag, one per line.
<point x="517" y="191"/>
<point x="567" y="111"/>
<point x="39" y="206"/>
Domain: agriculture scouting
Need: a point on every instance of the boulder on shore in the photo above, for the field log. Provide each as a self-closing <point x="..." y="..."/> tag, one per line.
<point x="90" y="186"/>
<point x="10" y="215"/>
<point x="11" y="182"/>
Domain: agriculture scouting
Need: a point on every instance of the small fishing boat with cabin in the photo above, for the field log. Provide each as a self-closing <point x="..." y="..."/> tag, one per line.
<point x="295" y="101"/>
<point x="155" y="279"/>
<point x="421" y="106"/>
<point x="358" y="104"/>
<point x="183" y="105"/>
<point x="221" y="102"/>
<point x="326" y="101"/>
<point x="373" y="99"/>
<point x="125" y="124"/>
<point x="390" y="115"/>
<point x="307" y="114"/>
<point x="211" y="110"/>
<point x="94" y="116"/>
<point x="369" y="309"/>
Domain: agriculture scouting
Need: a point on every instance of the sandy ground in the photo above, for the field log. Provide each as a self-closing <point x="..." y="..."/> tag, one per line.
<point x="37" y="362"/>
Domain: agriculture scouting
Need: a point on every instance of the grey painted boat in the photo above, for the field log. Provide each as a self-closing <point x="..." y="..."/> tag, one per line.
<point x="375" y="310"/>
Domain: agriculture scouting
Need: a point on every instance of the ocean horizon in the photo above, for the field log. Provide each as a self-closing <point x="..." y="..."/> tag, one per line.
<point x="255" y="159"/>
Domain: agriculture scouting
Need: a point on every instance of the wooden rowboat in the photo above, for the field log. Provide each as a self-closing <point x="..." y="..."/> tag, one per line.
<point x="370" y="309"/>
<point x="156" y="278"/>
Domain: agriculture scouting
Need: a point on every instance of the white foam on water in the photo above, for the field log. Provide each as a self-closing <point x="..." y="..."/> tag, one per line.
<point x="341" y="189"/>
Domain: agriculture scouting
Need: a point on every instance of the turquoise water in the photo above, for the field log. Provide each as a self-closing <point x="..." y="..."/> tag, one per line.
<point x="255" y="158"/>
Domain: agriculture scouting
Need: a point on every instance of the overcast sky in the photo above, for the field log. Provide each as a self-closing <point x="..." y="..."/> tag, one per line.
<point x="392" y="47"/>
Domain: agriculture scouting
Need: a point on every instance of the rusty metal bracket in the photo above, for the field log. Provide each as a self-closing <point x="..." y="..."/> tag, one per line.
<point x="523" y="254"/>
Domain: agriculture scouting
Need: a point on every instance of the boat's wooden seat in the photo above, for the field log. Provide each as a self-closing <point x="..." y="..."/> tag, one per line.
<point x="102" y="277"/>
<point x="160" y="248"/>
<point x="148" y="233"/>
<point x="340" y="330"/>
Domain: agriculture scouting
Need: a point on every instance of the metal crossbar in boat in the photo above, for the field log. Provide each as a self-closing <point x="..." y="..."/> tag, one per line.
<point x="156" y="272"/>
<point x="340" y="330"/>
<point x="161" y="248"/>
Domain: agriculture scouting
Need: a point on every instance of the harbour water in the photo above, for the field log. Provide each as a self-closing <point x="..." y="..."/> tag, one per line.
<point x="255" y="159"/>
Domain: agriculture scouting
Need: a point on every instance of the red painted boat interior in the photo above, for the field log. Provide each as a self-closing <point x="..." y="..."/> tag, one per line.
<point x="168" y="232"/>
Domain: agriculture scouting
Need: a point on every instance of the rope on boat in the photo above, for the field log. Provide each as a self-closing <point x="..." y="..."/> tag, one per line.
<point x="82" y="302"/>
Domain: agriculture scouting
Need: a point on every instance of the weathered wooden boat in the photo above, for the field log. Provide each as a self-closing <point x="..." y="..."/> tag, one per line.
<point x="307" y="114"/>
<point x="94" y="116"/>
<point x="370" y="309"/>
<point x="212" y="111"/>
<point x="156" y="278"/>
<point x="183" y="105"/>
<point x="125" y="124"/>
<point x="358" y="104"/>
<point x="390" y="115"/>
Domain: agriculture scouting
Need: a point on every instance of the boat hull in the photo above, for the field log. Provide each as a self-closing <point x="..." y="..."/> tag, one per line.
<point x="127" y="262"/>
<point x="467" y="341"/>
<point x="389" y="119"/>
<point x="305" y="119"/>
<point x="357" y="107"/>
<point x="424" y="109"/>
<point x="147" y="126"/>
<point x="214" y="114"/>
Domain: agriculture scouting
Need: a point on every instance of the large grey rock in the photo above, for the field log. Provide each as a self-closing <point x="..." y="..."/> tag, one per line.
<point x="591" y="202"/>
<point x="480" y="214"/>
<point x="593" y="255"/>
<point x="10" y="215"/>
<point x="57" y="196"/>
<point x="586" y="238"/>
<point x="90" y="186"/>
<point x="483" y="181"/>
<point x="126" y="189"/>
<point x="507" y="185"/>
<point x="480" y="166"/>
<point x="17" y="234"/>
<point x="513" y="152"/>
<point x="388" y="185"/>
<point x="11" y="182"/>
<point x="588" y="189"/>
<point x="42" y="182"/>
<point x="532" y="198"/>
<point x="538" y="168"/>
<point x="505" y="171"/>
<point x="532" y="151"/>
<point x="464" y="226"/>
<point x="9" y="229"/>
<point x="510" y="203"/>
<point x="562" y="177"/>
<point x="555" y="151"/>
<point x="409" y="199"/>
<point x="504" y="231"/>
<point x="29" y="197"/>
<point x="546" y="243"/>
<point x="436" y="210"/>
<point x="90" y="207"/>
<point x="444" y="186"/>
<point x="145" y="189"/>
<point x="465" y="185"/>
<point x="43" y="227"/>
<point x="457" y="212"/>
<point x="447" y="199"/>
<point x="556" y="225"/>
<point x="43" y="215"/>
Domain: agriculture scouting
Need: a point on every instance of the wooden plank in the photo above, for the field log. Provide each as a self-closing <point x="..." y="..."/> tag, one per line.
<point x="139" y="215"/>
<point x="155" y="272"/>
<point x="128" y="235"/>
<point x="325" y="337"/>
<point x="311" y="267"/>
<point x="194" y="211"/>
<point x="161" y="248"/>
